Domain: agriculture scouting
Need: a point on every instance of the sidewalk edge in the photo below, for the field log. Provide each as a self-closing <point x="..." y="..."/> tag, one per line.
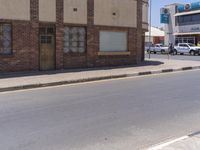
<point x="65" y="82"/>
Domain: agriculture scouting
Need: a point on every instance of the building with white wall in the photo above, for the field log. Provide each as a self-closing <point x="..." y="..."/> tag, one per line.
<point x="184" y="23"/>
<point x="157" y="36"/>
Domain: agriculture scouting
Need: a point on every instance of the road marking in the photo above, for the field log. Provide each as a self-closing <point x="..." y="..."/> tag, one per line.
<point x="161" y="146"/>
<point x="93" y="82"/>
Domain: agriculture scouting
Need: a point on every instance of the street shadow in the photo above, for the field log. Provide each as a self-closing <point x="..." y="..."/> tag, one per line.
<point x="53" y="72"/>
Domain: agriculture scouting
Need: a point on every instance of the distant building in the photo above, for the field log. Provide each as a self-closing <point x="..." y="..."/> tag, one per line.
<point x="184" y="23"/>
<point x="157" y="36"/>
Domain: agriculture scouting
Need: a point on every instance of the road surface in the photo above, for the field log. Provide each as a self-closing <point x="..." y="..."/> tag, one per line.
<point x="125" y="114"/>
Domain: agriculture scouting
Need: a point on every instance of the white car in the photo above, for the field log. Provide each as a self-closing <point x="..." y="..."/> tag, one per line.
<point x="158" y="48"/>
<point x="186" y="48"/>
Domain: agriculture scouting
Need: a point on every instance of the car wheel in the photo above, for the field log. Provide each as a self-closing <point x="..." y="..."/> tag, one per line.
<point x="192" y="52"/>
<point x="162" y="51"/>
<point x="154" y="52"/>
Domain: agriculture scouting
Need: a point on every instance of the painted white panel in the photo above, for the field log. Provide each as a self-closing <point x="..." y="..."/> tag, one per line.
<point x="77" y="17"/>
<point x="121" y="13"/>
<point x="145" y="12"/>
<point x="113" y="41"/>
<point x="47" y="10"/>
<point x="15" y="9"/>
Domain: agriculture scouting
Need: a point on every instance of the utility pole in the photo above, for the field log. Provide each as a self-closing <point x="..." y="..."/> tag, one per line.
<point x="150" y="5"/>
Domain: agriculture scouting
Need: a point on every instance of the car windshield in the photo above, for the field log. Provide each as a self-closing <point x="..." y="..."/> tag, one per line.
<point x="191" y="44"/>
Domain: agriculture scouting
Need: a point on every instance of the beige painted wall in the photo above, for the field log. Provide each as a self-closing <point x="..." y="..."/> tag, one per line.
<point x="15" y="9"/>
<point x="79" y="16"/>
<point x="145" y="8"/>
<point x="47" y="10"/>
<point x="145" y="26"/>
<point x="125" y="10"/>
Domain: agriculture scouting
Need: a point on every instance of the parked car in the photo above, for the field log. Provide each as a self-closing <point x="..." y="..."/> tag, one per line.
<point x="186" y="48"/>
<point x="158" y="48"/>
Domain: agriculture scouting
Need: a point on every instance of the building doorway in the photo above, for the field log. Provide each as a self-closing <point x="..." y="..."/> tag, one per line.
<point x="47" y="47"/>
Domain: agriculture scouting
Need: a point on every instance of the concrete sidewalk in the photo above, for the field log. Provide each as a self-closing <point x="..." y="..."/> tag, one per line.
<point x="17" y="81"/>
<point x="190" y="142"/>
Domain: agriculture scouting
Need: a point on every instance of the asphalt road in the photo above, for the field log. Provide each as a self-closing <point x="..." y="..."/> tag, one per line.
<point x="127" y="114"/>
<point x="176" y="57"/>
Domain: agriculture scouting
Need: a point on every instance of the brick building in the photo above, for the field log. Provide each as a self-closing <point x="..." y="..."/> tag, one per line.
<point x="57" y="34"/>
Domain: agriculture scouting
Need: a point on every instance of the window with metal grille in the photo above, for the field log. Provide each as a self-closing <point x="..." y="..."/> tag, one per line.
<point x="5" y="39"/>
<point x="74" y="39"/>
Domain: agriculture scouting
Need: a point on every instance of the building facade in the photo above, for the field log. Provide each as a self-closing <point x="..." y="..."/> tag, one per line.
<point x="184" y="23"/>
<point x="157" y="36"/>
<point x="61" y="34"/>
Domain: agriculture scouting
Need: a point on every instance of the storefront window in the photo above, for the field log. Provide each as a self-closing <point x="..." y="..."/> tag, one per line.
<point x="191" y="40"/>
<point x="74" y="39"/>
<point x="5" y="39"/>
<point x="188" y="19"/>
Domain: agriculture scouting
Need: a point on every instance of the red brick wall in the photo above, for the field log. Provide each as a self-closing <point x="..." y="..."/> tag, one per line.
<point x="20" y="59"/>
<point x="59" y="33"/>
<point x="34" y="45"/>
<point x="26" y="43"/>
<point x="114" y="60"/>
<point x="91" y="58"/>
<point x="75" y="61"/>
<point x="25" y="49"/>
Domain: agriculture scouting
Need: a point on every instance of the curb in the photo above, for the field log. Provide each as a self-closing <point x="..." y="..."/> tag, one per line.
<point x="39" y="85"/>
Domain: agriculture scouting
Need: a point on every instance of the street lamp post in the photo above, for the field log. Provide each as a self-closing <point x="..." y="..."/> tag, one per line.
<point x="150" y="4"/>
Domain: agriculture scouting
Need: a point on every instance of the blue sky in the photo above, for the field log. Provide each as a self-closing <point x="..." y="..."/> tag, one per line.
<point x="157" y="4"/>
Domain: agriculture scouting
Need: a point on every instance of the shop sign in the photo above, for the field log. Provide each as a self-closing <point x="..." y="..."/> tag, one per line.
<point x="164" y="16"/>
<point x="189" y="7"/>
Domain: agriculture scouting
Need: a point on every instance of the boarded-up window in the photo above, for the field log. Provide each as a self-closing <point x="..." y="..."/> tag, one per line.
<point x="113" y="41"/>
<point x="5" y="39"/>
<point x="74" y="39"/>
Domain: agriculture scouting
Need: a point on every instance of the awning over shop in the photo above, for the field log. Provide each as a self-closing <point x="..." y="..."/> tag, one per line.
<point x="189" y="33"/>
<point x="187" y="13"/>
